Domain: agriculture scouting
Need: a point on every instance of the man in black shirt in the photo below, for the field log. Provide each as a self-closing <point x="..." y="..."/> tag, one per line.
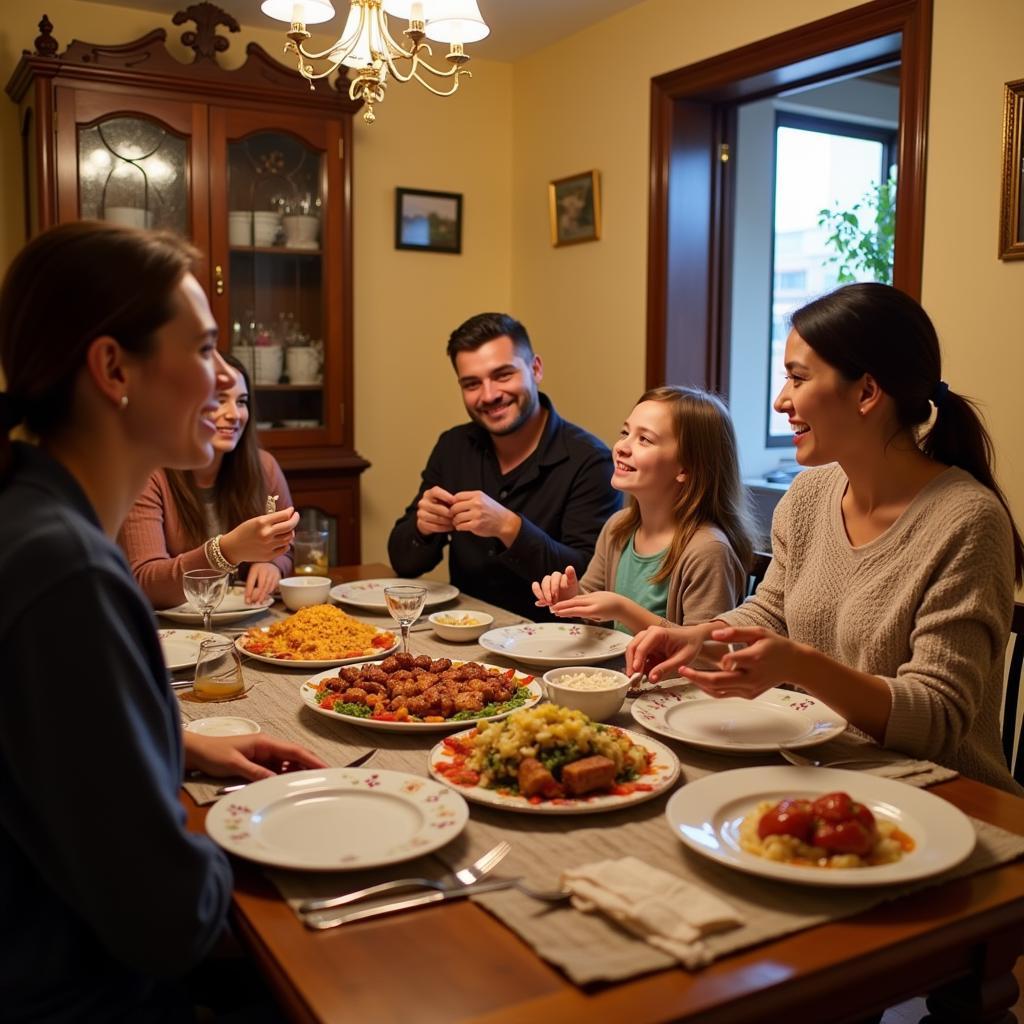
<point x="518" y="492"/>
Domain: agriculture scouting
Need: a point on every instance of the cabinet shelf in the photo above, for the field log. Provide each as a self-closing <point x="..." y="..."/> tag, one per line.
<point x="274" y="250"/>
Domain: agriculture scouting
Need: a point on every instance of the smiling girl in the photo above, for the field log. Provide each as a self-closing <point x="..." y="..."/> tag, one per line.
<point x="184" y="519"/>
<point x="890" y="590"/>
<point x="678" y="552"/>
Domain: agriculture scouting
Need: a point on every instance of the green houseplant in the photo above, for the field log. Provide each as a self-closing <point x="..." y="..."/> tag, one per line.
<point x="867" y="250"/>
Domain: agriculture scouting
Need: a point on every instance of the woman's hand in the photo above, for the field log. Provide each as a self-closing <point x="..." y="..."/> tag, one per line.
<point x="252" y="757"/>
<point x="555" y="587"/>
<point x="263" y="578"/>
<point x="660" y="652"/>
<point x="767" y="660"/>
<point x="601" y="606"/>
<point x="262" y="538"/>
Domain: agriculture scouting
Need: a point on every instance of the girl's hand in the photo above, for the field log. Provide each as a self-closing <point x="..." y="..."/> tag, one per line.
<point x="262" y="538"/>
<point x="252" y="757"/>
<point x="767" y="660"/>
<point x="660" y="652"/>
<point x="260" y="583"/>
<point x="601" y="606"/>
<point x="555" y="587"/>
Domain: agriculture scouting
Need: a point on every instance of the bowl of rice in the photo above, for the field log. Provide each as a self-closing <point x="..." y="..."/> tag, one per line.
<point x="462" y="625"/>
<point x="597" y="692"/>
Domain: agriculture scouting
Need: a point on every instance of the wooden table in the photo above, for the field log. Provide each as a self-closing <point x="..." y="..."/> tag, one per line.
<point x="457" y="963"/>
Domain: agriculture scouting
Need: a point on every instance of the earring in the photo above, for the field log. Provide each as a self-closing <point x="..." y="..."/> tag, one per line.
<point x="124" y="402"/>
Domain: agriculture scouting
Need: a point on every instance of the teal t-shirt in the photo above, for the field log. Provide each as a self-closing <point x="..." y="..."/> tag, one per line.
<point x="633" y="580"/>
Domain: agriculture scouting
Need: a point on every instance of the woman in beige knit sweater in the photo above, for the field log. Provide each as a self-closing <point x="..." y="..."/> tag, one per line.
<point x="891" y="585"/>
<point x="679" y="551"/>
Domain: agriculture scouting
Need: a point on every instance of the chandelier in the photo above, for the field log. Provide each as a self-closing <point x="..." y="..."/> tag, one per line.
<point x="367" y="46"/>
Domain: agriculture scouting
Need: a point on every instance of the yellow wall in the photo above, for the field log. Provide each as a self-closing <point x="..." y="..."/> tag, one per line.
<point x="580" y="104"/>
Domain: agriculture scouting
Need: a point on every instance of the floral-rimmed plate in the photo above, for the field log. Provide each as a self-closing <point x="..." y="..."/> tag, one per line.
<point x="309" y="688"/>
<point x="231" y="609"/>
<point x="555" y="643"/>
<point x="181" y="646"/>
<point x="370" y="593"/>
<point x="367" y="655"/>
<point x="777" y="718"/>
<point x="706" y="816"/>
<point x="337" y="819"/>
<point x="663" y="773"/>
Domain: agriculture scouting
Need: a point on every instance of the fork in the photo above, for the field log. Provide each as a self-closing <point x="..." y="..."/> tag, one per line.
<point x="802" y="761"/>
<point x="465" y="876"/>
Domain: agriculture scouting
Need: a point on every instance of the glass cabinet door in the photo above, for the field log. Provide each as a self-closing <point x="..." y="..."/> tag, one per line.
<point x="276" y="275"/>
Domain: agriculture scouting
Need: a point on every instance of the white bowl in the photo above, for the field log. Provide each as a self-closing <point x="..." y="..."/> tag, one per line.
<point x="223" y="725"/>
<point x="301" y="591"/>
<point x="599" y="705"/>
<point x="460" y="633"/>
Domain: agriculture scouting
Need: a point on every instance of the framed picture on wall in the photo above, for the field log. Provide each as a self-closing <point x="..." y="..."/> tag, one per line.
<point x="428" y="221"/>
<point x="574" y="205"/>
<point x="1011" y="218"/>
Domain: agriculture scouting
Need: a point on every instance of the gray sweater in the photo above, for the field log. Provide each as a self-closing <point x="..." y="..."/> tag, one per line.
<point x="926" y="607"/>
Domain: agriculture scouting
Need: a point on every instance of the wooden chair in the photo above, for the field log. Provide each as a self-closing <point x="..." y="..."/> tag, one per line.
<point x="758" y="567"/>
<point x="1014" y="685"/>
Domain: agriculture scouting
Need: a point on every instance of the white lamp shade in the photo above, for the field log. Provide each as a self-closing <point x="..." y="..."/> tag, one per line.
<point x="455" y="21"/>
<point x="309" y="12"/>
<point x="369" y="38"/>
<point x="404" y="8"/>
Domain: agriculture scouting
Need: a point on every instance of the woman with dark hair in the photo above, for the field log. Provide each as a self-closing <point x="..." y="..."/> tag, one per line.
<point x="891" y="585"/>
<point x="215" y="516"/>
<point x="680" y="549"/>
<point x="113" y="380"/>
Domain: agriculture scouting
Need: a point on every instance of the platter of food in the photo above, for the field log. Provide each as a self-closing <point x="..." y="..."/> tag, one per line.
<point x="553" y="760"/>
<point x="369" y="594"/>
<point x="404" y="693"/>
<point x="181" y="646"/>
<point x="555" y="643"/>
<point x="820" y="826"/>
<point x="337" y="819"/>
<point x="232" y="609"/>
<point x="776" y="718"/>
<point x="318" y="636"/>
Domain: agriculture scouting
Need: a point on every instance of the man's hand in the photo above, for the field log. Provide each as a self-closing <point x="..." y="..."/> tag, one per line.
<point x="478" y="513"/>
<point x="252" y="757"/>
<point x="433" y="512"/>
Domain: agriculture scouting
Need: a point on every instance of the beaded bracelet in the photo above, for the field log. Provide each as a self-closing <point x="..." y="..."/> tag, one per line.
<point x="215" y="556"/>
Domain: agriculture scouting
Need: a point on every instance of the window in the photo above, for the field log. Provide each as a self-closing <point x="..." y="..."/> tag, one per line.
<point x="819" y="163"/>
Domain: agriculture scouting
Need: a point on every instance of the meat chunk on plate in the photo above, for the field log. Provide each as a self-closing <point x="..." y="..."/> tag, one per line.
<point x="588" y="774"/>
<point x="535" y="780"/>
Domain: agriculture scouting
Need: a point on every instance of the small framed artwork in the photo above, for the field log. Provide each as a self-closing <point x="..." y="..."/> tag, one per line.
<point x="575" y="208"/>
<point x="1011" y="218"/>
<point x="428" y="221"/>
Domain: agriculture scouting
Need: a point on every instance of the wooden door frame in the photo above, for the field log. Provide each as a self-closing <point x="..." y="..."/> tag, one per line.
<point x="856" y="38"/>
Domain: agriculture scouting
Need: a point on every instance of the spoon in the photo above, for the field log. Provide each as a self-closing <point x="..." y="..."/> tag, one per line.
<point x="849" y="762"/>
<point x="635" y="688"/>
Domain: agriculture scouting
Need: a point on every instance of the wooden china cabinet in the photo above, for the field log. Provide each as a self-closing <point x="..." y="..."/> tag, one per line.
<point x="255" y="169"/>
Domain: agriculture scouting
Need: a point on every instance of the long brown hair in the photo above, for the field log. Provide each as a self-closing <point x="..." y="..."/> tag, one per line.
<point x="70" y="285"/>
<point x="712" y="494"/>
<point x="876" y="329"/>
<point x="239" y="490"/>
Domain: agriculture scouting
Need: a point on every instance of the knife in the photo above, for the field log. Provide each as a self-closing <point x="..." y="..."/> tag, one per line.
<point x="360" y="760"/>
<point x="318" y="923"/>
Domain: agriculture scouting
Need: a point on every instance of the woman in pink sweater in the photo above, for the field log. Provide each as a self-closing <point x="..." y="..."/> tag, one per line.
<point x="890" y="590"/>
<point x="214" y="517"/>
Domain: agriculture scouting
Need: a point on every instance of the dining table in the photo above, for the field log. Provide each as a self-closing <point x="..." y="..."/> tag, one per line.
<point x="956" y="941"/>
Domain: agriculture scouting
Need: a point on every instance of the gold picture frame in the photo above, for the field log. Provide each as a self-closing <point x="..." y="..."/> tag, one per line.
<point x="1011" y="216"/>
<point x="574" y="206"/>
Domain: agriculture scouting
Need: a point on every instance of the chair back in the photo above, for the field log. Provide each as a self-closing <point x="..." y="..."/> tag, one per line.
<point x="1013" y="741"/>
<point x="758" y="567"/>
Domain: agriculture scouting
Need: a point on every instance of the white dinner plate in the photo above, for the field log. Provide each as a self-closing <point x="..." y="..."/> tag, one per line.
<point x="337" y="819"/>
<point x="664" y="772"/>
<point x="308" y="693"/>
<point x="231" y="609"/>
<point x="706" y="816"/>
<point x="323" y="663"/>
<point x="181" y="646"/>
<point x="555" y="643"/>
<point x="370" y="593"/>
<point x="777" y="718"/>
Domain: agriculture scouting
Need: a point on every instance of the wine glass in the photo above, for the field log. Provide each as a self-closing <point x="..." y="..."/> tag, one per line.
<point x="205" y="589"/>
<point x="405" y="604"/>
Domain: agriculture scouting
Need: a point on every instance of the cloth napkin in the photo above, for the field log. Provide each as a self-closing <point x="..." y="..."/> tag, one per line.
<point x="664" y="910"/>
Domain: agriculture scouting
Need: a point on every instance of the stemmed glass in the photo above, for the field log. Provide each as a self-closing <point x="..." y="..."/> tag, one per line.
<point x="205" y="589"/>
<point x="405" y="604"/>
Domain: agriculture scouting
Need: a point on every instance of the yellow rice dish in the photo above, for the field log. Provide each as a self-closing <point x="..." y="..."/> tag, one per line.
<point x="320" y="632"/>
